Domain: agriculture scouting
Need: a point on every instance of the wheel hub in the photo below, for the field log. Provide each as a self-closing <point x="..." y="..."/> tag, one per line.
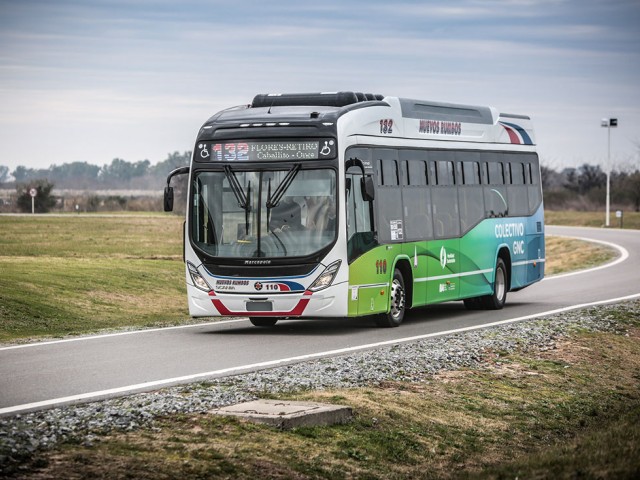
<point x="397" y="299"/>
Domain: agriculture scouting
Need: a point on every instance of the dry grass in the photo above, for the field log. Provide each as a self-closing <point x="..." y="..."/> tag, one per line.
<point x="591" y="218"/>
<point x="568" y="254"/>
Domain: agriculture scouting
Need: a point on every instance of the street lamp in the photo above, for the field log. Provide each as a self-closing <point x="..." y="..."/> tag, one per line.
<point x="608" y="123"/>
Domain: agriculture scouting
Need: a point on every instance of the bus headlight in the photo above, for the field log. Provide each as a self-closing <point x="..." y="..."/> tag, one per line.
<point x="198" y="280"/>
<point x="326" y="278"/>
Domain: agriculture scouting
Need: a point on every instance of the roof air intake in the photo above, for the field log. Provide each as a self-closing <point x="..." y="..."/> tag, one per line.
<point x="333" y="99"/>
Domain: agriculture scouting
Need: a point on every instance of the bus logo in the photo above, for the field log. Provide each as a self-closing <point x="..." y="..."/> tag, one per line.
<point x="257" y="286"/>
<point x="446" y="258"/>
<point x="443" y="257"/>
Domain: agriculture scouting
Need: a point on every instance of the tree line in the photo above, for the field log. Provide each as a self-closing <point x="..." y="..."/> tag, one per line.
<point x="581" y="188"/>
<point x="119" y="174"/>
<point x="85" y="177"/>
<point x="584" y="188"/>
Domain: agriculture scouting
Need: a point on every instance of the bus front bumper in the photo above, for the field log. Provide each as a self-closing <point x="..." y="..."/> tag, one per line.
<point x="329" y="302"/>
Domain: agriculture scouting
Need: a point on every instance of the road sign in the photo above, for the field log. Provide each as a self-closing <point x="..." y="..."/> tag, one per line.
<point x="33" y="192"/>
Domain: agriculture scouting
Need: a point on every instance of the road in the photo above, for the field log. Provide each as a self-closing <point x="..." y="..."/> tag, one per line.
<point x="47" y="374"/>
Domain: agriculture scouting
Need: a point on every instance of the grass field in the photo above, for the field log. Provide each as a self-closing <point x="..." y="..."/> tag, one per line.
<point x="592" y="219"/>
<point x="73" y="274"/>
<point x="78" y="274"/>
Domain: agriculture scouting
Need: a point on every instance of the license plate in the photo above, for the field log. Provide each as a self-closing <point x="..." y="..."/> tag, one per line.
<point x="259" y="306"/>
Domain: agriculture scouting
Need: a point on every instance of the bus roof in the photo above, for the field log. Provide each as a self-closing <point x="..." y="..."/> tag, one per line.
<point x="420" y="119"/>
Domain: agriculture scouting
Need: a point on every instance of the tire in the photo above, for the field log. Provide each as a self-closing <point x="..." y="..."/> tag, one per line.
<point x="397" y="303"/>
<point x="263" y="321"/>
<point x="497" y="300"/>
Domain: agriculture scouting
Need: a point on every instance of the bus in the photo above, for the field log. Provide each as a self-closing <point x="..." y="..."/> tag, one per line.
<point x="347" y="204"/>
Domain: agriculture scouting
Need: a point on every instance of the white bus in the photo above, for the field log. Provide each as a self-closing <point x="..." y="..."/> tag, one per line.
<point x="348" y="204"/>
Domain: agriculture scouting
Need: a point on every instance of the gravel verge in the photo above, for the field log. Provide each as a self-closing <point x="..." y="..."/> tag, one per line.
<point x="21" y="436"/>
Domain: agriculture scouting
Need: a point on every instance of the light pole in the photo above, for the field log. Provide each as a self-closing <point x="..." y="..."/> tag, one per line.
<point x="608" y="123"/>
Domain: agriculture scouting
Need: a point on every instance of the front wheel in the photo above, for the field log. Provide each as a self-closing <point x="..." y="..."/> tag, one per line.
<point x="263" y="321"/>
<point x="397" y="301"/>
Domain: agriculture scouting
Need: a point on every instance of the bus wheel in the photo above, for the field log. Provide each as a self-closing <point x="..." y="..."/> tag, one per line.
<point x="499" y="297"/>
<point x="398" y="303"/>
<point x="263" y="321"/>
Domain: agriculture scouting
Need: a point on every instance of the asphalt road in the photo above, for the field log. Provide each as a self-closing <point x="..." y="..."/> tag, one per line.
<point x="47" y="374"/>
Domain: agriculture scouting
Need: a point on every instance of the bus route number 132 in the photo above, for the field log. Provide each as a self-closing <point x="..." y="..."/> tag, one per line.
<point x="386" y="126"/>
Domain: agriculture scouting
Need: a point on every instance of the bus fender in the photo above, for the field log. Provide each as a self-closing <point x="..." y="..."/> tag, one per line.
<point x="504" y="253"/>
<point x="403" y="263"/>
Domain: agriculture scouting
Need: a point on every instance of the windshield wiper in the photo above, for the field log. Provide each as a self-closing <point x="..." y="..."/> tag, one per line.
<point x="236" y="188"/>
<point x="273" y="200"/>
<point x="240" y="195"/>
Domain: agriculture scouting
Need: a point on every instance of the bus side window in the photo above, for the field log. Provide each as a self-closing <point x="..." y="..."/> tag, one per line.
<point x="390" y="226"/>
<point x="446" y="216"/>
<point x="470" y="197"/>
<point x="517" y="195"/>
<point x="517" y="174"/>
<point x="495" y="193"/>
<point x="416" y="196"/>
<point x="484" y="174"/>
<point x="534" y="187"/>
<point x="446" y="175"/>
<point x="471" y="173"/>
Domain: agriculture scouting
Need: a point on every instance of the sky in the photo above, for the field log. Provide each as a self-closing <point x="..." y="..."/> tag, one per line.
<point x="93" y="80"/>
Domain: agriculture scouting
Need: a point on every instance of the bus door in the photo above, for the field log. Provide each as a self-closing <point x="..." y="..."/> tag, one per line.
<point x="365" y="276"/>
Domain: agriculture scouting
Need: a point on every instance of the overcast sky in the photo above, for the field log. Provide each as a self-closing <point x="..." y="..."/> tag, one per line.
<point x="91" y="80"/>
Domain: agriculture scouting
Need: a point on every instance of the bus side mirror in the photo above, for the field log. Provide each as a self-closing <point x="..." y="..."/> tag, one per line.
<point x="168" y="190"/>
<point x="367" y="188"/>
<point x="168" y="199"/>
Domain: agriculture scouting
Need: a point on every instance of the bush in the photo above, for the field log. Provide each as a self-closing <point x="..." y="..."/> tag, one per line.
<point x="43" y="202"/>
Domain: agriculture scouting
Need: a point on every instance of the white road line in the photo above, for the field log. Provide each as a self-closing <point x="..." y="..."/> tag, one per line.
<point x="281" y="361"/>
<point x="119" y="334"/>
<point x="624" y="254"/>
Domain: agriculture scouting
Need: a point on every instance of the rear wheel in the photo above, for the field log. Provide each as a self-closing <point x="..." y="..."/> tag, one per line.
<point x="263" y="321"/>
<point x="497" y="299"/>
<point x="500" y="287"/>
<point x="398" y="303"/>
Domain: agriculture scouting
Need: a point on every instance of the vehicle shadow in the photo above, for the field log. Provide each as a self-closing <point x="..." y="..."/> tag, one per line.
<point x="302" y="327"/>
<point x="428" y="315"/>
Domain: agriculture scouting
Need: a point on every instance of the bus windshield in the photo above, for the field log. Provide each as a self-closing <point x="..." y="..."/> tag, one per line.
<point x="243" y="213"/>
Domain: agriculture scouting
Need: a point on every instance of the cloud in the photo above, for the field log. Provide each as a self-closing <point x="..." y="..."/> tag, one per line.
<point x="473" y="9"/>
<point x="88" y="68"/>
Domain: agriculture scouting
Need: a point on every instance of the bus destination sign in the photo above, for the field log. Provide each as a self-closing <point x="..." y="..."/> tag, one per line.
<point x="256" y="151"/>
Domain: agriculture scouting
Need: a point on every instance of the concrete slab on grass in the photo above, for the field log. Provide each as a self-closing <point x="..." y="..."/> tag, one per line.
<point x="287" y="414"/>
